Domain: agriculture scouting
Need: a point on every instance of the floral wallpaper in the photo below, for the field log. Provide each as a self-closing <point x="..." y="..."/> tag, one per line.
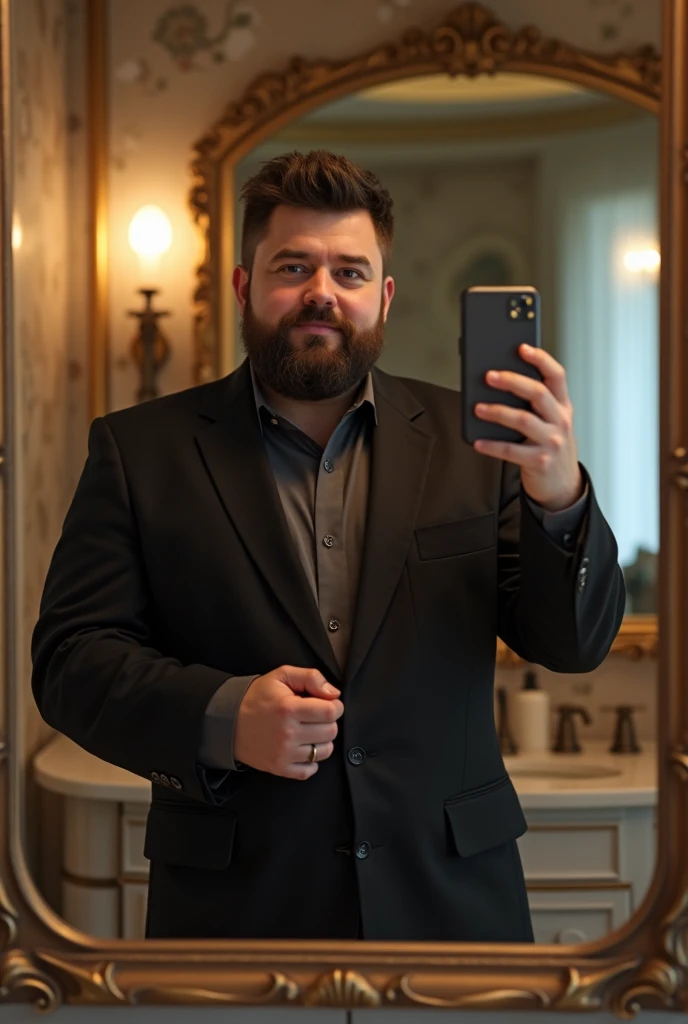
<point x="174" y="67"/>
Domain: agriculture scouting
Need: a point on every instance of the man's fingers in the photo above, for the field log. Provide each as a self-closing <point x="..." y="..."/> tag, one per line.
<point x="553" y="372"/>
<point x="312" y="709"/>
<point x="322" y="753"/>
<point x="307" y="680"/>
<point x="536" y="430"/>
<point x="307" y="733"/>
<point x="300" y="771"/>
<point x="542" y="400"/>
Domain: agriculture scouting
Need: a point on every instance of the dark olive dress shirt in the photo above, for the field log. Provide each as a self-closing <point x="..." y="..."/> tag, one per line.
<point x="324" y="495"/>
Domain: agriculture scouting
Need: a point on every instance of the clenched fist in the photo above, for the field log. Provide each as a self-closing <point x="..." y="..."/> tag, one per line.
<point x="275" y="728"/>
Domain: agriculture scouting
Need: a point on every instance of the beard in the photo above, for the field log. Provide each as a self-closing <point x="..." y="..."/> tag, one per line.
<point x="312" y="371"/>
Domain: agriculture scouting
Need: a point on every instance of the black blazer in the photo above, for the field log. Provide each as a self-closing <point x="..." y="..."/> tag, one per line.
<point x="176" y="569"/>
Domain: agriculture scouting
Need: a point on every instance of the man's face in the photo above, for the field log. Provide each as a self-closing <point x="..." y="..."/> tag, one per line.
<point x="314" y="307"/>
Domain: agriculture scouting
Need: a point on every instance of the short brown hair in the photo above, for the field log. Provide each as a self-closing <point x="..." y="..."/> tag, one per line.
<point x="318" y="180"/>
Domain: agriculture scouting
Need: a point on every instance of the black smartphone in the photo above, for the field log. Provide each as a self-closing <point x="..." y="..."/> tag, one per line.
<point x="494" y="322"/>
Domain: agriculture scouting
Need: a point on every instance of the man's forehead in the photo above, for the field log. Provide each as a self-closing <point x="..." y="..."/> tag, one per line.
<point x="320" y="229"/>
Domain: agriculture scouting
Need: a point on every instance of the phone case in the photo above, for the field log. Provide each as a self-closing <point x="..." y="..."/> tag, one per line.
<point x="494" y="322"/>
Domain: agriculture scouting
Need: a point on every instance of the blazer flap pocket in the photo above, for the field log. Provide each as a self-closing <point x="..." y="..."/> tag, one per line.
<point x="195" y="839"/>
<point x="458" y="537"/>
<point x="483" y="818"/>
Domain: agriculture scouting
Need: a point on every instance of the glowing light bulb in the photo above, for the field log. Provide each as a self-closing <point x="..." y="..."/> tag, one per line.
<point x="150" y="232"/>
<point x="639" y="260"/>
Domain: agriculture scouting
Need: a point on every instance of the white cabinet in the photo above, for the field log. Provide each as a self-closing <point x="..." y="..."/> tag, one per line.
<point x="587" y="870"/>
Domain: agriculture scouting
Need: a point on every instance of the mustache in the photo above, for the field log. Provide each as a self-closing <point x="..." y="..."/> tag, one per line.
<point x="305" y="316"/>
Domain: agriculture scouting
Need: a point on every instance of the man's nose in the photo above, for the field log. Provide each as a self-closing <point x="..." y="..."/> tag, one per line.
<point x="320" y="290"/>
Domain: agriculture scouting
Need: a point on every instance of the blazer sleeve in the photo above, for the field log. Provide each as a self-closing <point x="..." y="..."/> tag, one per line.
<point x="96" y="677"/>
<point x="558" y="607"/>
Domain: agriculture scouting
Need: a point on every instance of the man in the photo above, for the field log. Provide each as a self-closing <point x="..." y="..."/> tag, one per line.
<point x="278" y="596"/>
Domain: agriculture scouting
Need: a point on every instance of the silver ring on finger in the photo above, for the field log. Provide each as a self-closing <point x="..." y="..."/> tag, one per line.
<point x="313" y="754"/>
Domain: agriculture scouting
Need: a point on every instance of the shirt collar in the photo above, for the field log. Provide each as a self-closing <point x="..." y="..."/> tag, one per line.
<point x="366" y="393"/>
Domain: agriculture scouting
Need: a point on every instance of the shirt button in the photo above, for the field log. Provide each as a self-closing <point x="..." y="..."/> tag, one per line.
<point x="328" y="540"/>
<point x="357" y="755"/>
<point x="568" y="540"/>
<point x="363" y="850"/>
<point x="333" y="625"/>
<point x="329" y="466"/>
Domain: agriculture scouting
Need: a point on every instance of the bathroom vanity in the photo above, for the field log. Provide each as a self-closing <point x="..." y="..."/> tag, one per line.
<point x="589" y="852"/>
<point x="588" y="855"/>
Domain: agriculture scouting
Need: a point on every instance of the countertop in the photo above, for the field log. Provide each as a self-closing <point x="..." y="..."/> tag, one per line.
<point x="63" y="767"/>
<point x="634" y="783"/>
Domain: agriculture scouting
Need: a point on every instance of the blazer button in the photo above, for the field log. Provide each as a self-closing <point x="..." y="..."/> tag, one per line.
<point x="175" y="783"/>
<point x="357" y="755"/>
<point x="333" y="625"/>
<point x="165" y="781"/>
<point x="155" y="777"/>
<point x="363" y="850"/>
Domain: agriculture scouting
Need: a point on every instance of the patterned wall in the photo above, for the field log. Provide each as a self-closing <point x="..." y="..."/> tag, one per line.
<point x="49" y="321"/>
<point x="175" y="66"/>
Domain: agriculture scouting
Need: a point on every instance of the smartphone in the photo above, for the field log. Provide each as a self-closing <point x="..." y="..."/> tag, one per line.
<point x="494" y="322"/>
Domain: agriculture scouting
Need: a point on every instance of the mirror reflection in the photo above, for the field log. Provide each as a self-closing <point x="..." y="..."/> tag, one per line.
<point x="505" y="181"/>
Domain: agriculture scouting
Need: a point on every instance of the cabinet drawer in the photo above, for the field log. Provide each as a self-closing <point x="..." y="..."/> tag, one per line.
<point x="577" y="915"/>
<point x="571" y="852"/>
<point x="132" y="836"/>
<point x="134" y="899"/>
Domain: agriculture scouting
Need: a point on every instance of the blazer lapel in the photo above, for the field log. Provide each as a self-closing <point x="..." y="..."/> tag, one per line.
<point x="399" y="464"/>
<point x="232" y="447"/>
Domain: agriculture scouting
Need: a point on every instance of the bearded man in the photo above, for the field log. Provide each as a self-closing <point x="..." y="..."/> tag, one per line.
<point x="277" y="596"/>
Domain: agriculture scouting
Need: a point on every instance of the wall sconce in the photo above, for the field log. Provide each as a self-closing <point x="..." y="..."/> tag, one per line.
<point x="150" y="235"/>
<point x="642" y="261"/>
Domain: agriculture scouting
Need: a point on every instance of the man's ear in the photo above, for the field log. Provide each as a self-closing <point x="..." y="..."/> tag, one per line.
<point x="240" y="284"/>
<point x="387" y="295"/>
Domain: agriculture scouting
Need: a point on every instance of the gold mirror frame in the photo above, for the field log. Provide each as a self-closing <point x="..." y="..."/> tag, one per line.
<point x="470" y="42"/>
<point x="642" y="965"/>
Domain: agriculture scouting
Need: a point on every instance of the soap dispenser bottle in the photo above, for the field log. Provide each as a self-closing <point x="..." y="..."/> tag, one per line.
<point x="531" y="719"/>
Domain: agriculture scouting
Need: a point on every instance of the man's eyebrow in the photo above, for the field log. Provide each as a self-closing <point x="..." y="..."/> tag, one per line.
<point x="301" y="254"/>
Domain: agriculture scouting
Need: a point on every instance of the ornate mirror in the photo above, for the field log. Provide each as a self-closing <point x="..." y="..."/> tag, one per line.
<point x="577" y="188"/>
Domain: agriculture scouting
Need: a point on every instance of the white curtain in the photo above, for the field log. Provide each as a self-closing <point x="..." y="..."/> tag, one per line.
<point x="607" y="334"/>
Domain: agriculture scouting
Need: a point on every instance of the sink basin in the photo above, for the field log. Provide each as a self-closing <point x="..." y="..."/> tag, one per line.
<point x="567" y="770"/>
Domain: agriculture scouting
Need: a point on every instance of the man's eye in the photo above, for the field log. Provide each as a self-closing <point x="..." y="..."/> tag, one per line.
<point x="350" y="270"/>
<point x="292" y="266"/>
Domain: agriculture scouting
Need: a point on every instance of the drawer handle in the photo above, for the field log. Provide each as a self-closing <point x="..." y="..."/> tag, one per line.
<point x="569" y="936"/>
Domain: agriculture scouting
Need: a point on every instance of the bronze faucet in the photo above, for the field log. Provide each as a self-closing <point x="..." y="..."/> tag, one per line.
<point x="625" y="740"/>
<point x="567" y="741"/>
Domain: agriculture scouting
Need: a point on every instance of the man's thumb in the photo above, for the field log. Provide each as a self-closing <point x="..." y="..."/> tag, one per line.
<point x="313" y="682"/>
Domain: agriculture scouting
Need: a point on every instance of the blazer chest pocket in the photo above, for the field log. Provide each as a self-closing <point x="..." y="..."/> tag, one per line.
<point x="190" y="838"/>
<point x="485" y="817"/>
<point x="459" y="537"/>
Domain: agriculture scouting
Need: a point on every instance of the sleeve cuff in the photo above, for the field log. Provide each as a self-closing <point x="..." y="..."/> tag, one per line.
<point x="562" y="527"/>
<point x="216" y="750"/>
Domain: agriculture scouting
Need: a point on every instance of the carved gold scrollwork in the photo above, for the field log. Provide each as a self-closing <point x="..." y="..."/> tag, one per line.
<point x="586" y="987"/>
<point x="344" y="989"/>
<point x="679" y="759"/>
<point x="490" y="999"/>
<point x="93" y="983"/>
<point x="279" y="989"/>
<point x="655" y="985"/>
<point x="19" y="973"/>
